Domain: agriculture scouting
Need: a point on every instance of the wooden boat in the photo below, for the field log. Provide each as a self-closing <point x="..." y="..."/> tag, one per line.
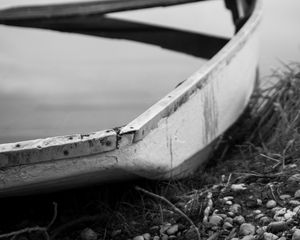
<point x="171" y="139"/>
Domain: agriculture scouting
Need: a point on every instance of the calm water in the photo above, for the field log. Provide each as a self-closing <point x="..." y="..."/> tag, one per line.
<point x="280" y="34"/>
<point x="54" y="83"/>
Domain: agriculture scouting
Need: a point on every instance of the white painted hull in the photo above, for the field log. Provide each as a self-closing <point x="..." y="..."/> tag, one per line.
<point x="170" y="140"/>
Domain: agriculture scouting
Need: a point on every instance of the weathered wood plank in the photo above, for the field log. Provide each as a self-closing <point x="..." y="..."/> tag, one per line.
<point x="55" y="148"/>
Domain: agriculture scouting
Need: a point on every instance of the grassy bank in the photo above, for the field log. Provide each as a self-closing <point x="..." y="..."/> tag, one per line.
<point x="252" y="164"/>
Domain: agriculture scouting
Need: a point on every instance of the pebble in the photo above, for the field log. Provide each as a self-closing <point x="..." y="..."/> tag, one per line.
<point x="297" y="194"/>
<point x="238" y="187"/>
<point x="271" y="204"/>
<point x="146" y="236"/>
<point x="228" y="198"/>
<point x="247" y="229"/>
<point x="210" y="233"/>
<point x="215" y="228"/>
<point x="164" y="237"/>
<point x="228" y="203"/>
<point x="281" y="211"/>
<point x="275" y="227"/>
<point x="265" y="220"/>
<point x="251" y="203"/>
<point x="248" y="237"/>
<point x="230" y="214"/>
<point x="279" y="215"/>
<point x="276" y="209"/>
<point x="261" y="230"/>
<point x="270" y="236"/>
<point x="140" y="237"/>
<point x="290" y="166"/>
<point x="235" y="208"/>
<point x="227" y="226"/>
<point x="279" y="218"/>
<point x="285" y="196"/>
<point x="259" y="216"/>
<point x="239" y="219"/>
<point x="229" y="220"/>
<point x="296" y="210"/>
<point x="172" y="230"/>
<point x="222" y="215"/>
<point x="294" y="202"/>
<point x="282" y="238"/>
<point x="215" y="220"/>
<point x="88" y="234"/>
<point x="296" y="235"/>
<point x="259" y="202"/>
<point x="156" y="238"/>
<point x="257" y="211"/>
<point x="294" y="178"/>
<point x="164" y="228"/>
<point x="155" y="228"/>
<point x="289" y="215"/>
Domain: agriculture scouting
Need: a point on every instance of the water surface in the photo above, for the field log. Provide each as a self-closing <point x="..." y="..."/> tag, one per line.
<point x="280" y="34"/>
<point x="55" y="83"/>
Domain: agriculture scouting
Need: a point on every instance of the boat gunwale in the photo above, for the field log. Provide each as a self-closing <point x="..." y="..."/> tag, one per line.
<point x="165" y="107"/>
<point x="61" y="10"/>
<point x="54" y="148"/>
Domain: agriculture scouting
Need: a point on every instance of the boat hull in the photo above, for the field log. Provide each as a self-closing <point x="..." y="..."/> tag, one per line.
<point x="172" y="139"/>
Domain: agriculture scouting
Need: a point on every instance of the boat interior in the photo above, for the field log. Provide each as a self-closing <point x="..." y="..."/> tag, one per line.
<point x="82" y="74"/>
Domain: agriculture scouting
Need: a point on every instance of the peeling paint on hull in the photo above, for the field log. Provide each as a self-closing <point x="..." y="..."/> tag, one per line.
<point x="171" y="139"/>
